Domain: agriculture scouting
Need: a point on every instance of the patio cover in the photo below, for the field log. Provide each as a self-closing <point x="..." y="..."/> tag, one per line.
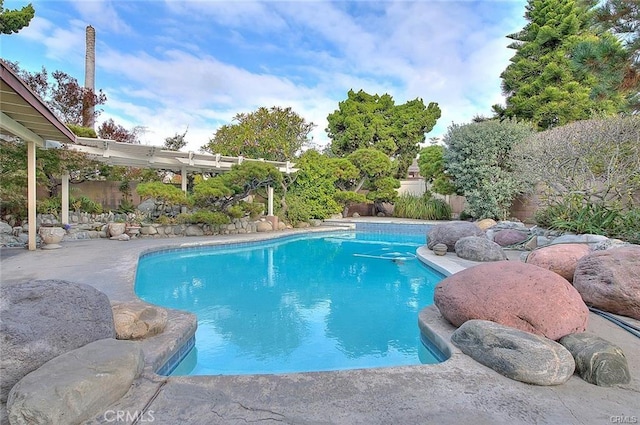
<point x="23" y="114"/>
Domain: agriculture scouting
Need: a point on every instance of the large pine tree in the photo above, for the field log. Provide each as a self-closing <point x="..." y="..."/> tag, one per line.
<point x="622" y="18"/>
<point x="544" y="83"/>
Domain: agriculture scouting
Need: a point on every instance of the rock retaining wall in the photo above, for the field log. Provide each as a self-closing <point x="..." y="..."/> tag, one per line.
<point x="94" y="226"/>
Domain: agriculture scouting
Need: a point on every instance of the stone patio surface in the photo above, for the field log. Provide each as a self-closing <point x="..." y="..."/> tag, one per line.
<point x="458" y="391"/>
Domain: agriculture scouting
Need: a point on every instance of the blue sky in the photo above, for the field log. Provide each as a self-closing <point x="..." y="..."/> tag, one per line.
<point x="171" y="64"/>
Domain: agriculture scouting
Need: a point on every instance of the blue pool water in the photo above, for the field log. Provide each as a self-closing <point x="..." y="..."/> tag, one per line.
<point x="334" y="301"/>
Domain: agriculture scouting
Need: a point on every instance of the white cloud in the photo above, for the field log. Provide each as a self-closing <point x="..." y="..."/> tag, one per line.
<point x="198" y="63"/>
<point x="102" y="15"/>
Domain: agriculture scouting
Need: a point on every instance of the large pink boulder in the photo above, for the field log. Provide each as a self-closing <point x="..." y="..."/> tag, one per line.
<point x="610" y="280"/>
<point x="515" y="294"/>
<point x="560" y="258"/>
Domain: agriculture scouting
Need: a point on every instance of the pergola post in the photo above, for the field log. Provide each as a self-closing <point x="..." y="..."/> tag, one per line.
<point x="31" y="193"/>
<point x="65" y="199"/>
<point x="183" y="178"/>
<point x="270" y="217"/>
<point x="270" y="201"/>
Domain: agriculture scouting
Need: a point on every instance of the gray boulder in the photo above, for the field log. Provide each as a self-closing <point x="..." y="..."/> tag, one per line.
<point x="477" y="248"/>
<point x="597" y="360"/>
<point x="42" y="319"/>
<point x="508" y="237"/>
<point x="518" y="355"/>
<point x="5" y="228"/>
<point x="449" y="233"/>
<point x="194" y="230"/>
<point x="584" y="238"/>
<point x="147" y="206"/>
<point x="76" y="385"/>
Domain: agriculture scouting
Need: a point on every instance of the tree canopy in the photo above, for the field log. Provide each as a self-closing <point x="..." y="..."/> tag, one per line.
<point x="13" y="20"/>
<point x="542" y="83"/>
<point x="431" y="163"/>
<point x="276" y="134"/>
<point x="61" y="93"/>
<point x="622" y="19"/>
<point x="478" y="157"/>
<point x="373" y="121"/>
<point x="176" y="142"/>
<point x="112" y="131"/>
<point x="225" y="190"/>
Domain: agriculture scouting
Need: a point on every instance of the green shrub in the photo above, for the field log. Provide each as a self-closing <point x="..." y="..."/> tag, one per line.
<point x="49" y="205"/>
<point x="421" y="207"/>
<point x="572" y="214"/>
<point x="213" y="218"/>
<point x="88" y="205"/>
<point x="253" y="209"/>
<point x="165" y="220"/>
<point x="235" y="211"/>
<point x="298" y="210"/>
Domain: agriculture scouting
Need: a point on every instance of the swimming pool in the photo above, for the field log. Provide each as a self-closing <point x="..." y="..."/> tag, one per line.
<point x="317" y="302"/>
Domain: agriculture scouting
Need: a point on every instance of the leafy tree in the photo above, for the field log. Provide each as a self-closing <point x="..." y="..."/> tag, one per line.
<point x="372" y="121"/>
<point x="176" y="142"/>
<point x="384" y="190"/>
<point x="62" y="94"/>
<point x="372" y="163"/>
<point x="12" y="21"/>
<point x="164" y="195"/>
<point x="274" y="134"/>
<point x="375" y="174"/>
<point x="111" y="131"/>
<point x="224" y="191"/>
<point x="541" y="84"/>
<point x="478" y="158"/>
<point x="312" y="193"/>
<point x="431" y="163"/>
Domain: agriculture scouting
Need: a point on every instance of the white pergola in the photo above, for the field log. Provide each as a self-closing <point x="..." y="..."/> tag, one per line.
<point x="145" y="156"/>
<point x="24" y="115"/>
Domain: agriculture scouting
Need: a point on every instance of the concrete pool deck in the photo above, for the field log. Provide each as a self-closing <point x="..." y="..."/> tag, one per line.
<point x="458" y="391"/>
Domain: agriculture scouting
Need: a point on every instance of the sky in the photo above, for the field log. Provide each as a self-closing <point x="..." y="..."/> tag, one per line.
<point x="172" y="65"/>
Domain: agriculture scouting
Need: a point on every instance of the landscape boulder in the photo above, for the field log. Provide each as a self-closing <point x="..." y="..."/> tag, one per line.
<point x="583" y="238"/>
<point x="518" y="355"/>
<point x="561" y="258"/>
<point x="440" y="249"/>
<point x="508" y="237"/>
<point x="264" y="226"/>
<point x="514" y="294"/>
<point x="77" y="385"/>
<point x="194" y="230"/>
<point x="449" y="233"/>
<point x="476" y="248"/>
<point x="610" y="280"/>
<point x="42" y="319"/>
<point x="486" y="223"/>
<point x="598" y="361"/>
<point x="138" y="320"/>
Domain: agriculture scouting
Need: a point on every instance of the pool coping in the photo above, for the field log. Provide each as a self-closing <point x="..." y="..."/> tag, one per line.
<point x="458" y="390"/>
